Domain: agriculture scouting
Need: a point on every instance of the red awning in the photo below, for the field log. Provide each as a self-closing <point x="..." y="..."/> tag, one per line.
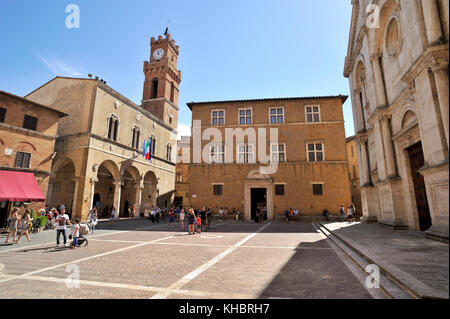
<point x="19" y="187"/>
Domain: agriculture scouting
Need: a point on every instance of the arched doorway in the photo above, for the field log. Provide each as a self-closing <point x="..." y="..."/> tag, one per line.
<point x="63" y="184"/>
<point x="97" y="202"/>
<point x="130" y="187"/>
<point x="105" y="188"/>
<point x="417" y="160"/>
<point x="150" y="191"/>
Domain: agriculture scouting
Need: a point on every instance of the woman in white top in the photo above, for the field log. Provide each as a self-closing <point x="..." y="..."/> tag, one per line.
<point x="113" y="215"/>
<point x="182" y="220"/>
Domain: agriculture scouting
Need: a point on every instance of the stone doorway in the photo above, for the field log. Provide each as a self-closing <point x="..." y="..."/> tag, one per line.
<point x="417" y="160"/>
<point x="256" y="180"/>
<point x="258" y="200"/>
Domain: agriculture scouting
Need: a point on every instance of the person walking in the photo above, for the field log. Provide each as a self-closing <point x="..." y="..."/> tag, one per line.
<point x="350" y="214"/>
<point x="171" y="218"/>
<point x="93" y="216"/>
<point x="133" y="211"/>
<point x="208" y="218"/>
<point x="61" y="225"/>
<point x="182" y="215"/>
<point x="191" y="220"/>
<point x="353" y="212"/>
<point x="112" y="218"/>
<point x="13" y="224"/>
<point x="24" y="226"/>
<point x="342" y="212"/>
<point x="326" y="213"/>
<point x="203" y="217"/>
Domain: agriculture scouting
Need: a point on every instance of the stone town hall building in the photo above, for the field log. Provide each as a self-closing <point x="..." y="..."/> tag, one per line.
<point x="98" y="157"/>
<point x="398" y="75"/>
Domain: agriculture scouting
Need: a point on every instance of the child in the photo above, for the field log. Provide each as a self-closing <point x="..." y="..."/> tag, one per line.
<point x="75" y="233"/>
<point x="199" y="224"/>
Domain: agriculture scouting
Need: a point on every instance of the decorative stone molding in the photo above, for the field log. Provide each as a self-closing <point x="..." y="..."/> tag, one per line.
<point x="435" y="57"/>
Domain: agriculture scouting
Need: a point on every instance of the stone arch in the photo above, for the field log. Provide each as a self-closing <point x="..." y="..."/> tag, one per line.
<point x="408" y="117"/>
<point x="106" y="186"/>
<point x="387" y="10"/>
<point x="150" y="191"/>
<point x="62" y="183"/>
<point x="24" y="146"/>
<point x="112" y="168"/>
<point x="392" y="36"/>
<point x="131" y="181"/>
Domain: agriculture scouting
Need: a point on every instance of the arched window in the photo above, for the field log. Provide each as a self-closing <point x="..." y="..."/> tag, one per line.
<point x="113" y="127"/>
<point x="136" y="137"/>
<point x="354" y="172"/>
<point x="169" y="152"/>
<point x="172" y="92"/>
<point x="153" y="146"/>
<point x="154" y="88"/>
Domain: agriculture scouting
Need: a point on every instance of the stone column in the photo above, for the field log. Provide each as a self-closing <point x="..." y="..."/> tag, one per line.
<point x="93" y="181"/>
<point x="117" y="192"/>
<point x="75" y="198"/>
<point x="365" y="161"/>
<point x="432" y="20"/>
<point x="381" y="98"/>
<point x="441" y="78"/>
<point x="388" y="147"/>
<point x="139" y="187"/>
<point x="51" y="185"/>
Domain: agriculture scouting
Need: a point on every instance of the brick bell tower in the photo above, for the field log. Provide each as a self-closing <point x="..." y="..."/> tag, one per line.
<point x="162" y="80"/>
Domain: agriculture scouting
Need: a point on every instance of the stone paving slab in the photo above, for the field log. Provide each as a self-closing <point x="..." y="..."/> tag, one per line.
<point x="32" y="259"/>
<point x="124" y="261"/>
<point x="283" y="273"/>
<point x="151" y="265"/>
<point x="423" y="264"/>
<point x="31" y="289"/>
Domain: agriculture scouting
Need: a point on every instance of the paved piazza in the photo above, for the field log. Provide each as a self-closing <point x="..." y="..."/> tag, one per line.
<point x="139" y="259"/>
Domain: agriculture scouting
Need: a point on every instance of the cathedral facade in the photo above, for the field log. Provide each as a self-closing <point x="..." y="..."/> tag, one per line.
<point x="397" y="66"/>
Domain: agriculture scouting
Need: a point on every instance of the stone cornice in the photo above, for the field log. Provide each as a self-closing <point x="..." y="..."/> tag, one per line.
<point x="434" y="58"/>
<point x="25" y="170"/>
<point x="165" y="99"/>
<point x="24" y="131"/>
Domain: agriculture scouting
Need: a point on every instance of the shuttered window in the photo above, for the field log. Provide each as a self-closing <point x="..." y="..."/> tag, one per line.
<point x="30" y="122"/>
<point x="2" y="115"/>
<point x="22" y="160"/>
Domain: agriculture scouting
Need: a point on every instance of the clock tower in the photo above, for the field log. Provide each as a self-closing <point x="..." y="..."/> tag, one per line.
<point x="162" y="80"/>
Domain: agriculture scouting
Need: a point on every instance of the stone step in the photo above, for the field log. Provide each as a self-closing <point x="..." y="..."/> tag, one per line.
<point x="388" y="286"/>
<point x="404" y="280"/>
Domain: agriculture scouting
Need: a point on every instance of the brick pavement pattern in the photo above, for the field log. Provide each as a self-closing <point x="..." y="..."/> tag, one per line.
<point x="138" y="259"/>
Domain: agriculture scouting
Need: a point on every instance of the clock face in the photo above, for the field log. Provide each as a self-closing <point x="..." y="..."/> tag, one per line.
<point x="158" y="54"/>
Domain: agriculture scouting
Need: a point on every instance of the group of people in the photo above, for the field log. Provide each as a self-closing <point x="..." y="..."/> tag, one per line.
<point x="351" y="213"/>
<point x="350" y="216"/>
<point x="292" y="214"/>
<point x="196" y="220"/>
<point x="19" y="223"/>
<point x="224" y="214"/>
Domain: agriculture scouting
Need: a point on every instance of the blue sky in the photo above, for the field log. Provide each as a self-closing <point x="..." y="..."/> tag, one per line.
<point x="228" y="49"/>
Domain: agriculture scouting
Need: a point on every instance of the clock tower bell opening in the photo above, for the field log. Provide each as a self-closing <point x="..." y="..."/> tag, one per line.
<point x="162" y="80"/>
